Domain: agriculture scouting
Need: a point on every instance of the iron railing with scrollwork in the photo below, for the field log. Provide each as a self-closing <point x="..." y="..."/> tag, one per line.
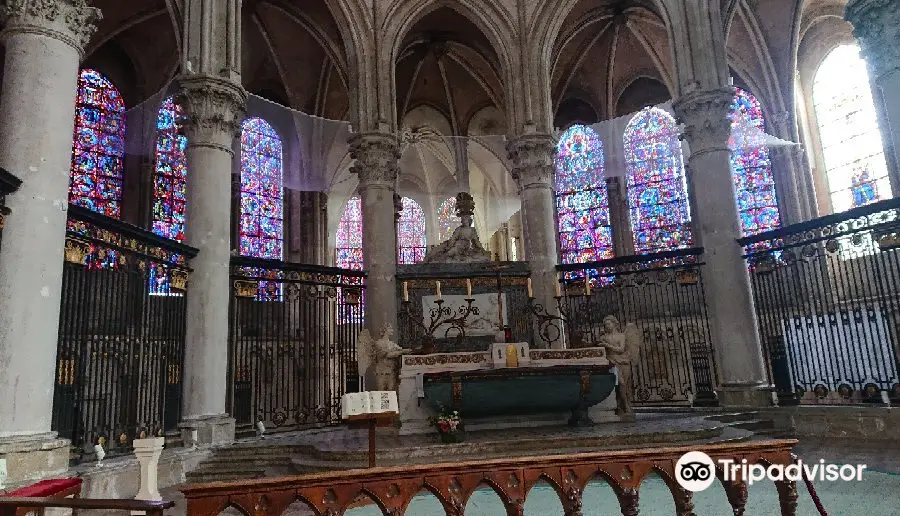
<point x="8" y="184"/>
<point x="827" y="295"/>
<point x="121" y="333"/>
<point x="293" y="332"/>
<point x="662" y="294"/>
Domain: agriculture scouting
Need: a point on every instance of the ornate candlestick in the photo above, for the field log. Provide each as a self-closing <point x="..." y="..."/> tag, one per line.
<point x="438" y="316"/>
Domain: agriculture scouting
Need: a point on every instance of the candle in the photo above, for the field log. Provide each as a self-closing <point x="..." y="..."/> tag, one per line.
<point x="405" y="291"/>
<point x="468" y="288"/>
<point x="530" y="292"/>
<point x="438" y="286"/>
<point x="587" y="286"/>
<point x="557" y="289"/>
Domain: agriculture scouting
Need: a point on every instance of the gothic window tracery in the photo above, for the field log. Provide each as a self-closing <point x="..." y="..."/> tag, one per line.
<point x="751" y="166"/>
<point x="848" y="131"/>
<point x="658" y="203"/>
<point x="262" y="219"/>
<point x="170" y="185"/>
<point x="582" y="202"/>
<point x="348" y="249"/>
<point x="411" y="233"/>
<point x="98" y="148"/>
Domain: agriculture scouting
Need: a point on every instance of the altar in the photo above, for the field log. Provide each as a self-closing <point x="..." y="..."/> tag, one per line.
<point x="508" y="385"/>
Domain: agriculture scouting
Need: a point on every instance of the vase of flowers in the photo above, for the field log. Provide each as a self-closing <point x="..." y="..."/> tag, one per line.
<point x="449" y="426"/>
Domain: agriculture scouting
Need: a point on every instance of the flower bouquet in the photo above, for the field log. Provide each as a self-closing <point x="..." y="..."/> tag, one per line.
<point x="449" y="426"/>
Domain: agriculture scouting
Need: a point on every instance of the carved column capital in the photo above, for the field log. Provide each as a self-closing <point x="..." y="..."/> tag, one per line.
<point x="704" y="114"/>
<point x="531" y="156"/>
<point x="214" y="110"/>
<point x="70" y="21"/>
<point x="377" y="159"/>
<point x="876" y="23"/>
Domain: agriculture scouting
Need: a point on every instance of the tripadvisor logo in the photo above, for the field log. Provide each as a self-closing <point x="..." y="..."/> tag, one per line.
<point x="695" y="471"/>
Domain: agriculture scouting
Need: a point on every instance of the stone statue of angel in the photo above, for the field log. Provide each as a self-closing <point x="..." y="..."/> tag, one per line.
<point x="378" y="360"/>
<point x="623" y="348"/>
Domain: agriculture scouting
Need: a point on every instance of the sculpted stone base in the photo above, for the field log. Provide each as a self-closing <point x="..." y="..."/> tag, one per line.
<point x="34" y="457"/>
<point x="211" y="430"/>
<point x="744" y="395"/>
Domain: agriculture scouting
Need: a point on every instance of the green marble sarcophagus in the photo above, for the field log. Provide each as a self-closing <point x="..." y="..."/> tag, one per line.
<point x="521" y="391"/>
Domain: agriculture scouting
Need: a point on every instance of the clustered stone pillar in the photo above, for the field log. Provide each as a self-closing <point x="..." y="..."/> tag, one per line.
<point x="214" y="108"/>
<point x="532" y="168"/>
<point x="44" y="43"/>
<point x="876" y="24"/>
<point x="732" y="318"/>
<point x="377" y="158"/>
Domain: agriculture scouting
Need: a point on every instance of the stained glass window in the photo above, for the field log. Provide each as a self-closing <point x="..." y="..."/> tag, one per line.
<point x="349" y="252"/>
<point x="262" y="219"/>
<point x="170" y="185"/>
<point x="98" y="147"/>
<point x="349" y="255"/>
<point x="582" y="204"/>
<point x="448" y="221"/>
<point x="751" y="168"/>
<point x="657" y="191"/>
<point x="411" y="232"/>
<point x="848" y="130"/>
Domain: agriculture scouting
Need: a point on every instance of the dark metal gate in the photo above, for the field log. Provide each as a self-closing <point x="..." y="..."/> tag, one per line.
<point x="293" y="331"/>
<point x="121" y="335"/>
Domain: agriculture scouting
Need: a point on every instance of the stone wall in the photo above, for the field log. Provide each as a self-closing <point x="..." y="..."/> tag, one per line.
<point x="833" y="422"/>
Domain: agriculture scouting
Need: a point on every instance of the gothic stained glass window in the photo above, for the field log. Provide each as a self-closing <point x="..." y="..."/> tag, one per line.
<point x="170" y="185"/>
<point x="848" y="131"/>
<point x="751" y="168"/>
<point x="98" y="147"/>
<point x="349" y="253"/>
<point x="582" y="204"/>
<point x="262" y="220"/>
<point x="411" y="233"/>
<point x="170" y="174"/>
<point x="447" y="218"/>
<point x="658" y="203"/>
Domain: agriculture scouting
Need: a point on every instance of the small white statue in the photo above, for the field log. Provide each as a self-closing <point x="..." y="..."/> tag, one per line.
<point x="623" y="348"/>
<point x="100" y="452"/>
<point x="379" y="358"/>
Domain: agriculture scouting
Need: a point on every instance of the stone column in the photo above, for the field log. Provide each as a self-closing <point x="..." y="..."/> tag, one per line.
<point x="732" y="317"/>
<point x="214" y="108"/>
<point x="377" y="156"/>
<point x="44" y="43"/>
<point x="876" y="23"/>
<point x="531" y="156"/>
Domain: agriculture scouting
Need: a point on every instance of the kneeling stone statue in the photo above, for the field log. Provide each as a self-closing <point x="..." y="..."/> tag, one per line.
<point x="379" y="359"/>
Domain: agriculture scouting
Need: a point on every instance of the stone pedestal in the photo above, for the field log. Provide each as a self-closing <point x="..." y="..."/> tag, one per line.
<point x="876" y="23"/>
<point x="214" y="109"/>
<point x="377" y="158"/>
<point x="147" y="452"/>
<point x="732" y="317"/>
<point x="532" y="163"/>
<point x="31" y="458"/>
<point x="44" y="43"/>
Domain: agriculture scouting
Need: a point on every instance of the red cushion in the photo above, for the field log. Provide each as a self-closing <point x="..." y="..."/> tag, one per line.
<point x="46" y="488"/>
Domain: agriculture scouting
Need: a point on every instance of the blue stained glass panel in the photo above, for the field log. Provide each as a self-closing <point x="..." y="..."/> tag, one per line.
<point x="657" y="191"/>
<point x="411" y="233"/>
<point x="98" y="147"/>
<point x="582" y="203"/>
<point x="751" y="167"/>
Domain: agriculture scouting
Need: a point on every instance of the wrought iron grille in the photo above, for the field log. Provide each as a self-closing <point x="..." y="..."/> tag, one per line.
<point x="826" y="294"/>
<point x="293" y="331"/>
<point x="121" y="350"/>
<point x="662" y="293"/>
